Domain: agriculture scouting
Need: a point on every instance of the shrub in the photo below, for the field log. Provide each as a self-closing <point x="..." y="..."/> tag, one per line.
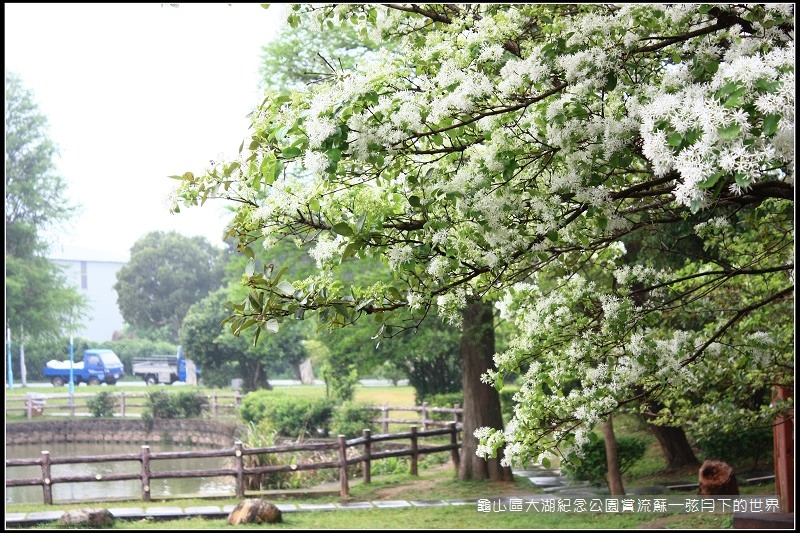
<point x="183" y="404"/>
<point x="290" y="416"/>
<point x="262" y="436"/>
<point x="102" y="405"/>
<point x="734" y="447"/>
<point x="593" y="467"/>
<point x="444" y="399"/>
<point x="350" y="419"/>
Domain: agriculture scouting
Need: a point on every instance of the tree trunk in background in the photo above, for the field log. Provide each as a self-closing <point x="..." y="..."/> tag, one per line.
<point x="675" y="446"/>
<point x="614" y="476"/>
<point x="481" y="401"/>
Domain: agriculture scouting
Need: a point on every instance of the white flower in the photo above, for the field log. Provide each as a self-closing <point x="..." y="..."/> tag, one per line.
<point x="399" y="255"/>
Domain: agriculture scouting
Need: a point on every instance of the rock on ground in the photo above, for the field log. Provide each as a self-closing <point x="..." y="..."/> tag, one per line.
<point x="254" y="511"/>
<point x="91" y="518"/>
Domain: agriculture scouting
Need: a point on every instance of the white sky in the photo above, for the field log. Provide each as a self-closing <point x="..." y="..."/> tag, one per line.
<point x="134" y="93"/>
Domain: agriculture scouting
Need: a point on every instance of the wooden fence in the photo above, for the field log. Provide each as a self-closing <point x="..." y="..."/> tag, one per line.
<point x="36" y="404"/>
<point x="219" y="405"/>
<point x="239" y="471"/>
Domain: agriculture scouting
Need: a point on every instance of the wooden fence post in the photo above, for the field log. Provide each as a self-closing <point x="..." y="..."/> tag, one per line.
<point x="454" y="455"/>
<point x="237" y="400"/>
<point x="237" y="447"/>
<point x="146" y="473"/>
<point x="367" y="434"/>
<point x="345" y="490"/>
<point x="424" y="416"/>
<point x="414" y="453"/>
<point x="71" y="404"/>
<point x="122" y="404"/>
<point x="455" y="412"/>
<point x="47" y="487"/>
<point x="29" y="405"/>
<point x="214" y="403"/>
<point x="385" y="417"/>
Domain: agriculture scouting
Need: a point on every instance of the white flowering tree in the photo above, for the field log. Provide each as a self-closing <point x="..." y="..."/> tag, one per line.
<point x="618" y="178"/>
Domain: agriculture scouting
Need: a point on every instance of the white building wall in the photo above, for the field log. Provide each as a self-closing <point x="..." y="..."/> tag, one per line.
<point x="94" y="277"/>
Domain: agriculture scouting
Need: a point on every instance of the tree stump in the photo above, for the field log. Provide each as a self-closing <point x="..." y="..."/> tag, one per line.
<point x="717" y="478"/>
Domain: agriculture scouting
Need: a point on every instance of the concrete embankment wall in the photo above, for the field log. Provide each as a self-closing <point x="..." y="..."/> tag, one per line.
<point x="197" y="432"/>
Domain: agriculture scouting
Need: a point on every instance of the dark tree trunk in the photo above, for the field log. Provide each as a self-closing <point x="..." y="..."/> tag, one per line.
<point x="613" y="476"/>
<point x="254" y="375"/>
<point x="675" y="446"/>
<point x="481" y="401"/>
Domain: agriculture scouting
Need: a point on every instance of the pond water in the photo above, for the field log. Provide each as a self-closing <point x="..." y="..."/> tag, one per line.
<point x="92" y="491"/>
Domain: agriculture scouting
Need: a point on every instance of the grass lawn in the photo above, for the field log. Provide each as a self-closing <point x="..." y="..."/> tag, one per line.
<point x="433" y="484"/>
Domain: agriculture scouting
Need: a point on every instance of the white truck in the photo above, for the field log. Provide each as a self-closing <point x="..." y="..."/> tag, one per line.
<point x="165" y="369"/>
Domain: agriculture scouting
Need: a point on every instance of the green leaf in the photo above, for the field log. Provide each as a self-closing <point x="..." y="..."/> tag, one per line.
<point x="729" y="133"/>
<point x="546" y="462"/>
<point x="414" y="201"/>
<point x="343" y="229"/>
<point x="291" y="152"/>
<point x="498" y="383"/>
<point x="771" y="124"/>
<point x="360" y="222"/>
<point x="611" y="81"/>
<point x="735" y="98"/>
<point x="285" y="288"/>
<point x="675" y="139"/>
<point x="352" y="249"/>
<point x="711" y="180"/>
<point x="742" y="180"/>
<point x="267" y="168"/>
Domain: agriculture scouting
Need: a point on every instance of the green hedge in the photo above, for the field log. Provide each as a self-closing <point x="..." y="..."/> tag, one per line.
<point x="290" y="416"/>
<point x="593" y="467"/>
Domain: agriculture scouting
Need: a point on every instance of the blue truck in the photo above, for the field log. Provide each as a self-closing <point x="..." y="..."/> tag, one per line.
<point x="98" y="366"/>
<point x="157" y="369"/>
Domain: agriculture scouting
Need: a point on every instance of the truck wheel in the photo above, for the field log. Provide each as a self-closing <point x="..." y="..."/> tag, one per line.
<point x="150" y="379"/>
<point x="93" y="381"/>
<point x="57" y="381"/>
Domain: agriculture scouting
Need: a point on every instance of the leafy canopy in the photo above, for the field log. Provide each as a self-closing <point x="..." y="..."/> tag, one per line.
<point x="514" y="152"/>
<point x="40" y="303"/>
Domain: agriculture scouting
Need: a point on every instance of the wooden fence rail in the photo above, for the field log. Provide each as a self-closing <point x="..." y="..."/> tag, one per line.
<point x="36" y="404"/>
<point x="219" y="405"/>
<point x="239" y="471"/>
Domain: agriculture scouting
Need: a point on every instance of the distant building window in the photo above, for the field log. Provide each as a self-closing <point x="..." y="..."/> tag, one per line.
<point x="84" y="276"/>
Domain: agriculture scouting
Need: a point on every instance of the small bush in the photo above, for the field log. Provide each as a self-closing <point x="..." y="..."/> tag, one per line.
<point x="102" y="405"/>
<point x="593" y="467"/>
<point x="262" y="436"/>
<point x="183" y="404"/>
<point x="290" y="416"/>
<point x="188" y="404"/>
<point x="350" y="419"/>
<point x="445" y="399"/>
<point x="744" y="445"/>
